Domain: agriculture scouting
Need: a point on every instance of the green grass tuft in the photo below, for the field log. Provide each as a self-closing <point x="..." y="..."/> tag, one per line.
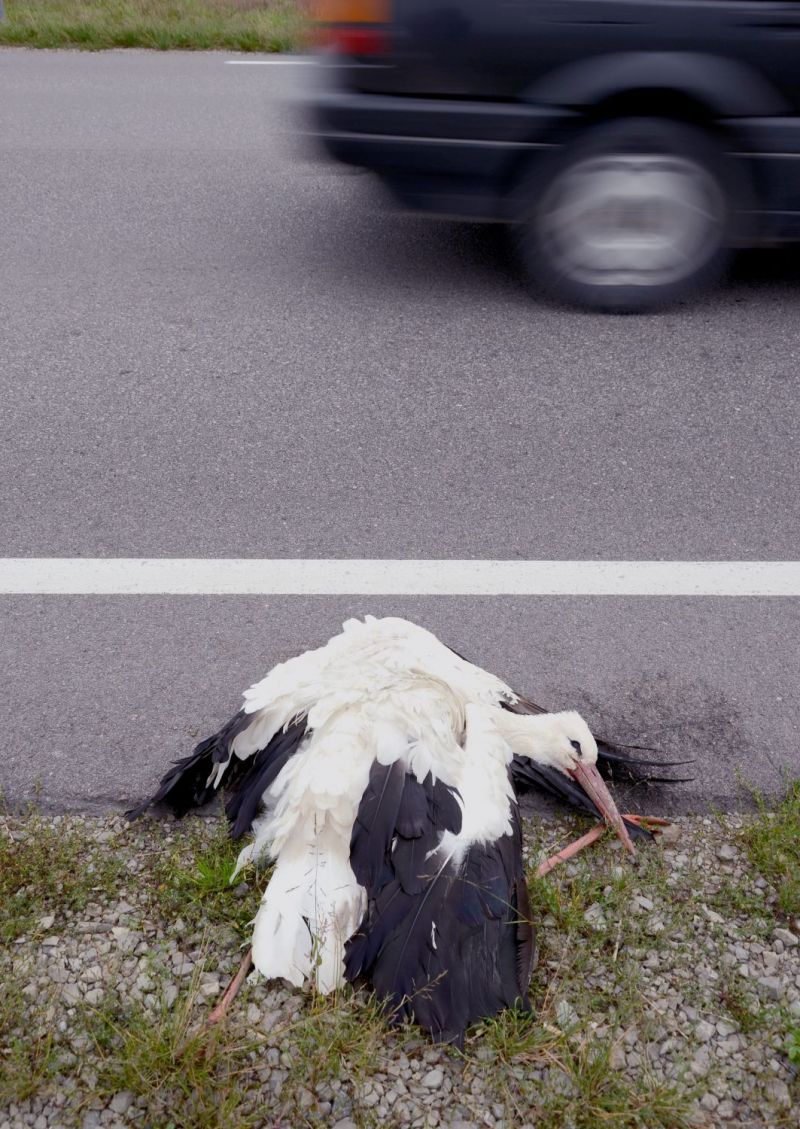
<point x="191" y="879"/>
<point x="742" y="1005"/>
<point x="28" y="1054"/>
<point x="49" y="868"/>
<point x="335" y="1037"/>
<point x="166" y="1057"/>
<point x="163" y="25"/>
<point x="772" y="843"/>
<point x="554" y="1078"/>
<point x="596" y="1094"/>
<point x="513" y="1037"/>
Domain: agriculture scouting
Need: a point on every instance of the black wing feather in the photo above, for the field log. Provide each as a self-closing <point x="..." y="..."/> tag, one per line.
<point x="526" y="776"/>
<point x="375" y="822"/>
<point x="186" y="785"/>
<point x="441" y="944"/>
<point x="615" y="764"/>
<point x="254" y="776"/>
<point x="412" y="815"/>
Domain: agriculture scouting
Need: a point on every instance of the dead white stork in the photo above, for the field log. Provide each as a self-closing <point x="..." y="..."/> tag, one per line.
<point x="376" y="772"/>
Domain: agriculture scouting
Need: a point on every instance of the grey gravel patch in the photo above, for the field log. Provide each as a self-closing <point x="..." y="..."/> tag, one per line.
<point x="705" y="967"/>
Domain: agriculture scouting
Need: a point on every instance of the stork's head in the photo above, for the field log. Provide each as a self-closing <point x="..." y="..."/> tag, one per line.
<point x="563" y="741"/>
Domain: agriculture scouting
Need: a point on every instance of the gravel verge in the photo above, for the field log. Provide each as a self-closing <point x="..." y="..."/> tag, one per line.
<point x="667" y="993"/>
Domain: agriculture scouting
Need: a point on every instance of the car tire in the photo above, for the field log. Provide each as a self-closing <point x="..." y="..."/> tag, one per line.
<point x="636" y="214"/>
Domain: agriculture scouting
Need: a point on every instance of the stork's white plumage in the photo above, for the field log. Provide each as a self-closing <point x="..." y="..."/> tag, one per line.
<point x="377" y="772"/>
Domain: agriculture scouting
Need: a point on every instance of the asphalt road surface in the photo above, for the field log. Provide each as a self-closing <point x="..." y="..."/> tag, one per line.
<point x="211" y="344"/>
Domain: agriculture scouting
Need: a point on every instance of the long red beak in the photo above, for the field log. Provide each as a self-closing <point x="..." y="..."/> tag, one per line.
<point x="595" y="787"/>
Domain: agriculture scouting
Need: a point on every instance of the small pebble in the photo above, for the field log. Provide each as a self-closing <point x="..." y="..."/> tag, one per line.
<point x="778" y="1092"/>
<point x="121" y="1102"/>
<point x="773" y="986"/>
<point x="786" y="936"/>
<point x="704" y="1031"/>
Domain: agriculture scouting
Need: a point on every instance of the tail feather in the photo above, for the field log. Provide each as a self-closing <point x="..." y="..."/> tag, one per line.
<point x="310" y="908"/>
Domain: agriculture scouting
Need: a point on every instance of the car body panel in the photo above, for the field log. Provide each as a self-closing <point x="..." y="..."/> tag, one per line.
<point x="469" y="96"/>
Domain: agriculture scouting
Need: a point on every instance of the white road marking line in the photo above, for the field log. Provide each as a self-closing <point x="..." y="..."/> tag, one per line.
<point x="294" y="62"/>
<point x="91" y="576"/>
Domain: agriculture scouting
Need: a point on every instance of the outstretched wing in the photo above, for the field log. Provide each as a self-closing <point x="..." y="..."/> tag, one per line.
<point x="188" y="784"/>
<point x="193" y="781"/>
<point x="528" y="776"/>
<point x="442" y="942"/>
<point x="247" y="753"/>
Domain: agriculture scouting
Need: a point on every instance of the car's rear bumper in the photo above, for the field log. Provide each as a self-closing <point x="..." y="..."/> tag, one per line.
<point x="448" y="157"/>
<point x="462" y="158"/>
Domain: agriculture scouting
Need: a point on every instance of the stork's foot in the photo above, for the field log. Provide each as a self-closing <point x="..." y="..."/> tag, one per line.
<point x="650" y="823"/>
<point x="570" y="850"/>
<point x="220" y="1011"/>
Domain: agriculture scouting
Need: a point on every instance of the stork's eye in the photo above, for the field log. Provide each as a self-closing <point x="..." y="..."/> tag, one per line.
<point x="577" y="747"/>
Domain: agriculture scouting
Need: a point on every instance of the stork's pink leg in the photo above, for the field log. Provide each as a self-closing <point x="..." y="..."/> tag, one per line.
<point x="219" y="1012"/>
<point x="570" y="850"/>
<point x="649" y="822"/>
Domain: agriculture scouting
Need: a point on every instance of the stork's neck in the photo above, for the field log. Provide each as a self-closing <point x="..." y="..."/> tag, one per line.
<point x="529" y="735"/>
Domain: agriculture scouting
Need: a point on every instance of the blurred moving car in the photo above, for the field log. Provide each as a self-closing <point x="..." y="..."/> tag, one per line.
<point x="633" y="143"/>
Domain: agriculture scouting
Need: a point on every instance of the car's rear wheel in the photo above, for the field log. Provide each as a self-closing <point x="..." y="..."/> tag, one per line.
<point x="635" y="214"/>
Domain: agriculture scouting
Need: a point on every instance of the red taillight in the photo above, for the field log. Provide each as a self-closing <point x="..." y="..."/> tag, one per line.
<point x="359" y="40"/>
<point x="353" y="27"/>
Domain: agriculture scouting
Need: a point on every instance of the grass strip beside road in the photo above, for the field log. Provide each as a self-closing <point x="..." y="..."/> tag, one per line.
<point x="665" y="994"/>
<point x="163" y="25"/>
